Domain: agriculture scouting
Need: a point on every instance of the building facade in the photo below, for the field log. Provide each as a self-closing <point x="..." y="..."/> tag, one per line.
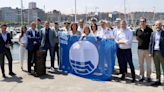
<point x="8" y="15"/>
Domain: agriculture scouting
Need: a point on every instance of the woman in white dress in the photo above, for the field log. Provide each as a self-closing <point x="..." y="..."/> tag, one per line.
<point x="22" y="48"/>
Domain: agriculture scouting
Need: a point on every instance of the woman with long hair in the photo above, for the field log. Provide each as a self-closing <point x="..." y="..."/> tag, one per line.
<point x="23" y="43"/>
<point x="94" y="29"/>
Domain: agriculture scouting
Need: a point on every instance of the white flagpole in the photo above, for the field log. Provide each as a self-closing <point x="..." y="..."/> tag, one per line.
<point x="75" y="12"/>
<point x="21" y="12"/>
<point x="125" y="10"/>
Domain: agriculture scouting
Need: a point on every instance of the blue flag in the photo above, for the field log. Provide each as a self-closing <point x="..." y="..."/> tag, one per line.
<point x="87" y="57"/>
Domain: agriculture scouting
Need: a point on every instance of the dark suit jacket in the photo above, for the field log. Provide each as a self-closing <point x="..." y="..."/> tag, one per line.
<point x="152" y="43"/>
<point x="3" y="43"/>
<point x="31" y="39"/>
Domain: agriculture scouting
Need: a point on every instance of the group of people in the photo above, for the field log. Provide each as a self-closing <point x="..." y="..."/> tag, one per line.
<point x="150" y="44"/>
<point x="35" y="39"/>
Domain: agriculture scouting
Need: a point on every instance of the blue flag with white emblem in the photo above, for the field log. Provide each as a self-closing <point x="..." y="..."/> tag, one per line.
<point x="87" y="57"/>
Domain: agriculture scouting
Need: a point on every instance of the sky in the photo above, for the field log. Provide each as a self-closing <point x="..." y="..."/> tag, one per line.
<point x="84" y="6"/>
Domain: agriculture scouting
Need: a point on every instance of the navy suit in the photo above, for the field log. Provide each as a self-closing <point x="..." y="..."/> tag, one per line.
<point x="33" y="44"/>
<point x="5" y="51"/>
<point x="31" y="39"/>
<point x="2" y="44"/>
<point x="152" y="43"/>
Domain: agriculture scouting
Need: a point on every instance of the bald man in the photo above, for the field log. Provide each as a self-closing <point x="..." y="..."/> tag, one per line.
<point x="33" y="44"/>
<point x="156" y="49"/>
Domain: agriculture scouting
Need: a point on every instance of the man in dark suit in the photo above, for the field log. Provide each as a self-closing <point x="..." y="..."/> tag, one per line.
<point x="57" y="32"/>
<point x="33" y="44"/>
<point x="156" y="49"/>
<point x="5" y="43"/>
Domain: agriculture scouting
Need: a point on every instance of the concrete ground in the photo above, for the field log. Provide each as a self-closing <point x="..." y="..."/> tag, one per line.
<point x="23" y="82"/>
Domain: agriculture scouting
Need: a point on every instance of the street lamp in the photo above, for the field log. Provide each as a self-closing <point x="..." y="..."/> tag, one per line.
<point x="125" y="9"/>
<point x="75" y="12"/>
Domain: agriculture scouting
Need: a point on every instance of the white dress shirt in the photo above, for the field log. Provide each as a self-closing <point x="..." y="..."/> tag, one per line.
<point x="4" y="36"/>
<point x="33" y="33"/>
<point x="157" y="40"/>
<point x="115" y="30"/>
<point x="126" y="36"/>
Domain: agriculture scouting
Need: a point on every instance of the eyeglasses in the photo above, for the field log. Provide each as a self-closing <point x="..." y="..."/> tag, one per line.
<point x="142" y="21"/>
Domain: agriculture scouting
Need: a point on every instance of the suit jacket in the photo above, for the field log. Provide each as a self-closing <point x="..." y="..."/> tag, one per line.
<point x="31" y="46"/>
<point x="57" y="31"/>
<point x="161" y="43"/>
<point x="3" y="43"/>
<point x="52" y="37"/>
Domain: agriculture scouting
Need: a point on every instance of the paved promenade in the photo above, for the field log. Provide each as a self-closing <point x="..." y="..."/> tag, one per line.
<point x="23" y="82"/>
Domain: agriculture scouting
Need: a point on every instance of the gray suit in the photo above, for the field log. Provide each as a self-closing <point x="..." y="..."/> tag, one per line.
<point x="158" y="55"/>
<point x="152" y="43"/>
<point x="53" y="39"/>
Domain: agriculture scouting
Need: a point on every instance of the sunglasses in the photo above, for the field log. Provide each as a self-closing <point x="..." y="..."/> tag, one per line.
<point x="67" y="23"/>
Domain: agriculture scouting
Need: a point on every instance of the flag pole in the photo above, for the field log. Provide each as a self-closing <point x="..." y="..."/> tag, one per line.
<point x="75" y="11"/>
<point x="21" y="12"/>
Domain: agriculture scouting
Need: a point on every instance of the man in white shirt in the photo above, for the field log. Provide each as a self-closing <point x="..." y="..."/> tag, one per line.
<point x="5" y="43"/>
<point x="124" y="40"/>
<point x="57" y="32"/>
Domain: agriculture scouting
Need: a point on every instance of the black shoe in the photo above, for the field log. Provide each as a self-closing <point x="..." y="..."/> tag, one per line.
<point x="133" y="80"/>
<point x="12" y="74"/>
<point x="35" y="74"/>
<point x="123" y="77"/>
<point x="52" y="69"/>
<point x="149" y="80"/>
<point x="141" y="79"/>
<point x="4" y="76"/>
<point x="157" y="83"/>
